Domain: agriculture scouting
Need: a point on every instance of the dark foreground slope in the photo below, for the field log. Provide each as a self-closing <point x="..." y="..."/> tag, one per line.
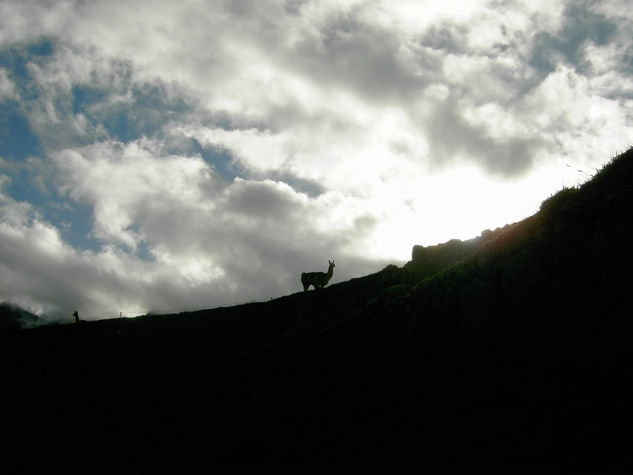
<point x="13" y="318"/>
<point x="513" y="348"/>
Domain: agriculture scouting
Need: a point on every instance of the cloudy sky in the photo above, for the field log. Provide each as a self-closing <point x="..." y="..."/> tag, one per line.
<point x="163" y="156"/>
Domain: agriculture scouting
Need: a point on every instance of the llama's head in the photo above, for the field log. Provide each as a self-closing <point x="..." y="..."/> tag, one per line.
<point x="332" y="266"/>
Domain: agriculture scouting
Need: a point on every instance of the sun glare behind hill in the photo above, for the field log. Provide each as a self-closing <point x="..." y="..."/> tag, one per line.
<point x="462" y="202"/>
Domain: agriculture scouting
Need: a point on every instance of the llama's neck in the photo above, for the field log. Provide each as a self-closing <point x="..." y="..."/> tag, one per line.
<point x="329" y="273"/>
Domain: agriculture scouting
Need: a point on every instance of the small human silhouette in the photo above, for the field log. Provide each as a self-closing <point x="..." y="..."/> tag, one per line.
<point x="76" y="315"/>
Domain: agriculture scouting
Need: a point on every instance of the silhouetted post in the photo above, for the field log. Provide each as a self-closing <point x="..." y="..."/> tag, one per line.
<point x="76" y="315"/>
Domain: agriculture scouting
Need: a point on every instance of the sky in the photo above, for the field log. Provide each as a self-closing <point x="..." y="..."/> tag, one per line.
<point x="160" y="156"/>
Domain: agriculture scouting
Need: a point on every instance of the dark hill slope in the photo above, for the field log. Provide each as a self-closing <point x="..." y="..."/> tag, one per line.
<point x="511" y="348"/>
<point x="13" y="318"/>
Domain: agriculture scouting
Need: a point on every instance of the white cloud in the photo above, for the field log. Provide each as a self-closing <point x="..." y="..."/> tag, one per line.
<point x="22" y="22"/>
<point x="7" y="89"/>
<point x="415" y="122"/>
<point x="125" y="183"/>
<point x="584" y="125"/>
<point x="40" y="272"/>
<point x="211" y="243"/>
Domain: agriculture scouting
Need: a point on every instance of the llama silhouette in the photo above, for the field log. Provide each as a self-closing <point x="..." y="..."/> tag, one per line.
<point x="317" y="279"/>
<point x="76" y="315"/>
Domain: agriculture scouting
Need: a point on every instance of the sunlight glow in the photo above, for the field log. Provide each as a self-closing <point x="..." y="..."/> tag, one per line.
<point x="462" y="202"/>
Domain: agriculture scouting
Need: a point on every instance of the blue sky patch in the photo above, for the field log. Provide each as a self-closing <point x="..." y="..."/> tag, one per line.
<point x="221" y="161"/>
<point x="85" y="96"/>
<point x="15" y="60"/>
<point x="17" y="140"/>
<point x="579" y="27"/>
<point x="74" y="221"/>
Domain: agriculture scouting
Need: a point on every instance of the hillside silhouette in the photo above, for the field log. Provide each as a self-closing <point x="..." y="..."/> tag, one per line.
<point x="509" y="349"/>
<point x="14" y="318"/>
